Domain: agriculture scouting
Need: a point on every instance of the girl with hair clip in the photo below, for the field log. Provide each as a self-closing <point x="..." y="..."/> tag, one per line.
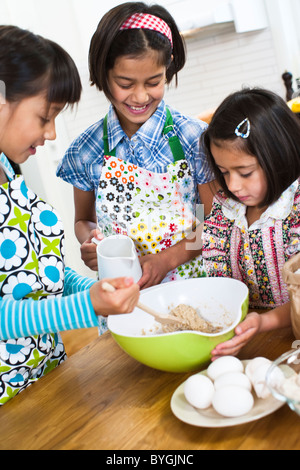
<point x="253" y="145"/>
<point x="139" y="171"/>
<point x="38" y="296"/>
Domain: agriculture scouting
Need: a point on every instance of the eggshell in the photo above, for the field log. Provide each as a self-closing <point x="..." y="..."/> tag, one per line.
<point x="259" y="379"/>
<point x="261" y="390"/>
<point x="233" y="378"/>
<point x="232" y="401"/>
<point x="199" y="391"/>
<point x="254" y="364"/>
<point x="277" y="377"/>
<point x="290" y="387"/>
<point x="223" y="365"/>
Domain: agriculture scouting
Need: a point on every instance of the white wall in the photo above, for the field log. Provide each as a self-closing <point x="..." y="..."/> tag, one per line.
<point x="219" y="61"/>
<point x="220" y="64"/>
<point x="284" y="19"/>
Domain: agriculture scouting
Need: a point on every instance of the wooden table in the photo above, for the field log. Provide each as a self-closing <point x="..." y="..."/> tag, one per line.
<point x="103" y="399"/>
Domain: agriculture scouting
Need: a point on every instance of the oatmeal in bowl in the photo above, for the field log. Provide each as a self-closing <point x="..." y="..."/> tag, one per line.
<point x="219" y="303"/>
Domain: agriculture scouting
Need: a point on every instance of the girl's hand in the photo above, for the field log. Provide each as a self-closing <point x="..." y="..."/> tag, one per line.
<point x="154" y="269"/>
<point x="244" y="333"/>
<point x="89" y="250"/>
<point x="123" y="300"/>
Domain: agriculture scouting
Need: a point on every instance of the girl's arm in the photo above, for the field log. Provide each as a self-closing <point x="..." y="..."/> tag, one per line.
<point x="85" y="215"/>
<point x="253" y="324"/>
<point x="206" y="193"/>
<point x="86" y="226"/>
<point x="83" y="302"/>
<point x="74" y="282"/>
<point x="156" y="267"/>
<point x="21" y="318"/>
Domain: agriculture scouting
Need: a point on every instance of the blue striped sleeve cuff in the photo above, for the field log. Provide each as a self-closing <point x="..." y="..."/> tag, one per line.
<point x="75" y="283"/>
<point x="20" y="318"/>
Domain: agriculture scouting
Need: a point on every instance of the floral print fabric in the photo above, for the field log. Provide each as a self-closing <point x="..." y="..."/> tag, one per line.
<point x="31" y="266"/>
<point x="257" y="254"/>
<point x="156" y="210"/>
<point x="24" y="360"/>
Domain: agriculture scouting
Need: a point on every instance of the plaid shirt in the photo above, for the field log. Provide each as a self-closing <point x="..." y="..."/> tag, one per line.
<point x="148" y="148"/>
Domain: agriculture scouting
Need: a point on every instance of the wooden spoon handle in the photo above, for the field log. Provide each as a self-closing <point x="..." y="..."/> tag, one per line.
<point x="108" y="287"/>
<point x="160" y="318"/>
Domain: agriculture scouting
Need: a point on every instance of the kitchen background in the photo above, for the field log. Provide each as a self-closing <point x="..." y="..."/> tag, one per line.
<point x="230" y="44"/>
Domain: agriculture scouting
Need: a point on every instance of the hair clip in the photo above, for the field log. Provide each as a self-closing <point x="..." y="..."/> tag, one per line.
<point x="241" y="134"/>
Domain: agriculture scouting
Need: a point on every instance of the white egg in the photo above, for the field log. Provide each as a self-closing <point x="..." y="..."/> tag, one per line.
<point x="199" y="391"/>
<point x="233" y="378"/>
<point x="232" y="401"/>
<point x="223" y="365"/>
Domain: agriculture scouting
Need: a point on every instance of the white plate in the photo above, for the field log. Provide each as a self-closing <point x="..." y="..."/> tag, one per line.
<point x="209" y="418"/>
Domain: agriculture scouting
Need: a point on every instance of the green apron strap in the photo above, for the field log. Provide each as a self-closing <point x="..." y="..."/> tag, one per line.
<point x="105" y="140"/>
<point x="174" y="142"/>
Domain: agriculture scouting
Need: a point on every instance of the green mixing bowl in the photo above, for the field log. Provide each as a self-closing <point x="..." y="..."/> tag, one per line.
<point x="220" y="300"/>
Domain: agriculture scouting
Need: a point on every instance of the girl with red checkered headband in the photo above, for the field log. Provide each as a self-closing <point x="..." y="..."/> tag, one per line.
<point x="139" y="170"/>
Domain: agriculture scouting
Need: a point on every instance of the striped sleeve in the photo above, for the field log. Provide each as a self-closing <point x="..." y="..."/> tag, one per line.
<point x="20" y="318"/>
<point x="75" y="283"/>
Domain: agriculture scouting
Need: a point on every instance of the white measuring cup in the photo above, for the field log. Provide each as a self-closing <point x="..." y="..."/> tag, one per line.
<point x="117" y="257"/>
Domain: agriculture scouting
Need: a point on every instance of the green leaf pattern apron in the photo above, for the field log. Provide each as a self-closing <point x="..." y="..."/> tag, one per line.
<point x="31" y="266"/>
<point x="156" y="210"/>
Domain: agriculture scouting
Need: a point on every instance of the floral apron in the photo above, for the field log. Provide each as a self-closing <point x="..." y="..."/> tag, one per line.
<point x="31" y="266"/>
<point x="156" y="210"/>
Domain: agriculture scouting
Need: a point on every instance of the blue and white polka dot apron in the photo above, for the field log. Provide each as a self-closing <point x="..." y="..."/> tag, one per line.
<point x="31" y="267"/>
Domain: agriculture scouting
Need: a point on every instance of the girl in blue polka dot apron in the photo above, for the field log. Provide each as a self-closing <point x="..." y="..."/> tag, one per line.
<point x="32" y="266"/>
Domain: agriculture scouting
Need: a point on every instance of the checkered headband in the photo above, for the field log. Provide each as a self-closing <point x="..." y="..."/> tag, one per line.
<point x="147" y="21"/>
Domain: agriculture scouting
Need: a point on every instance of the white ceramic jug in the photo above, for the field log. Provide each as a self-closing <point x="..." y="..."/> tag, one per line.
<point x="117" y="257"/>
